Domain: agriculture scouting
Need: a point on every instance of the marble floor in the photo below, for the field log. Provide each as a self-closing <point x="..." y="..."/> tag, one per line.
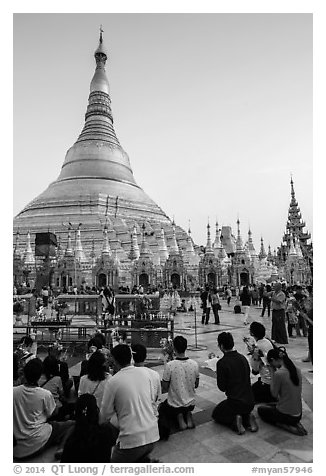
<point x="213" y="443"/>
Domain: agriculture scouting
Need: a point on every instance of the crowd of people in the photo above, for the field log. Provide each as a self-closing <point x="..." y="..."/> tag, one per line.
<point x="119" y="408"/>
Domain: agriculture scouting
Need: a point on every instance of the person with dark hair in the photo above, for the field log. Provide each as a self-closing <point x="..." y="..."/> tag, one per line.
<point x="245" y="298"/>
<point x="180" y="379"/>
<point x="206" y="305"/>
<point x="139" y="354"/>
<point x="286" y="386"/>
<point x="267" y="294"/>
<point x="233" y="378"/>
<point x="308" y="316"/>
<point x="108" y="304"/>
<point x="228" y="294"/>
<point x="291" y="314"/>
<point x="95" y="381"/>
<point x="33" y="406"/>
<point x="216" y="306"/>
<point x="90" y="442"/>
<point x="258" y="362"/>
<point x="16" y="375"/>
<point x="261" y="290"/>
<point x="127" y="396"/>
<point x="93" y="345"/>
<point x="51" y="381"/>
<point x="254" y="295"/>
<point x="299" y="298"/>
<point x="56" y="350"/>
<point x="278" y="299"/>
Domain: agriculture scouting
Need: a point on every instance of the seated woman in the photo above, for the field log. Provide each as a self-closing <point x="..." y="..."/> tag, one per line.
<point x="286" y="385"/>
<point x="56" y="350"/>
<point x="259" y="365"/>
<point x="93" y="345"/>
<point x="51" y="380"/>
<point x="95" y="380"/>
<point x="89" y="442"/>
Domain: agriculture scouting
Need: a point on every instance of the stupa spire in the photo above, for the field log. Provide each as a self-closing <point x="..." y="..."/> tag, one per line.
<point x="145" y="251"/>
<point x="190" y="247"/>
<point x="174" y="248"/>
<point x="239" y="244"/>
<point x="106" y="250"/>
<point x="262" y="253"/>
<point x="217" y="241"/>
<point x="29" y="258"/>
<point x="134" y="248"/>
<point x="162" y="248"/>
<point x="79" y="252"/>
<point x="209" y="248"/>
<point x="69" y="250"/>
<point x="251" y="245"/>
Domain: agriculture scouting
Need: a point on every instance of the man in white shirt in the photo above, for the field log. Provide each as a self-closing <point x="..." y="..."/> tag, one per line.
<point x="33" y="406"/>
<point x="128" y="396"/>
<point x="180" y="379"/>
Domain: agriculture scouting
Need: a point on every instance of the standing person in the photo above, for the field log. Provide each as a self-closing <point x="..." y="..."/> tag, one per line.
<point x="261" y="290"/>
<point x="204" y="301"/>
<point x="216" y="306"/>
<point x="89" y="442"/>
<point x="259" y="365"/>
<point x="307" y="313"/>
<point x="127" y="396"/>
<point x="267" y="300"/>
<point x="254" y="295"/>
<point x="300" y="297"/>
<point x="291" y="314"/>
<point x="228" y="295"/>
<point x="245" y="299"/>
<point x="45" y="296"/>
<point x="108" y="303"/>
<point x="286" y="386"/>
<point x="233" y="378"/>
<point x="278" y="315"/>
<point x="180" y="379"/>
<point x="95" y="380"/>
<point x="33" y="406"/>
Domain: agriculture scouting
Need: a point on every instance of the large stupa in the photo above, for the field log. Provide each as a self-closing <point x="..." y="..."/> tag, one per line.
<point x="96" y="187"/>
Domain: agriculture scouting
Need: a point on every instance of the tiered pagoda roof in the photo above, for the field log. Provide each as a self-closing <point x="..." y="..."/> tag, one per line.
<point x="295" y="224"/>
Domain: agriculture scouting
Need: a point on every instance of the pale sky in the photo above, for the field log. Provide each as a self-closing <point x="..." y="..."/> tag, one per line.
<point x="214" y="110"/>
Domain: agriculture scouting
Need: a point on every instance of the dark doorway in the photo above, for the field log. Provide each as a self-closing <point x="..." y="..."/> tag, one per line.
<point x="211" y="279"/>
<point x="244" y="279"/>
<point x="175" y="280"/>
<point x="144" y="281"/>
<point x="102" y="280"/>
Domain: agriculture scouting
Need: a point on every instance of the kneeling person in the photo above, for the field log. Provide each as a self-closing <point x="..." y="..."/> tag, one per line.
<point x="180" y="379"/>
<point x="233" y="378"/>
<point x="33" y="406"/>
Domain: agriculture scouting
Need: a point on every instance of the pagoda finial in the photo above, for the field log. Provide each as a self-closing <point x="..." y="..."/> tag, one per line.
<point x="292" y="188"/>
<point x="262" y="253"/>
<point x="209" y="242"/>
<point x="101" y="31"/>
<point x="239" y="244"/>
